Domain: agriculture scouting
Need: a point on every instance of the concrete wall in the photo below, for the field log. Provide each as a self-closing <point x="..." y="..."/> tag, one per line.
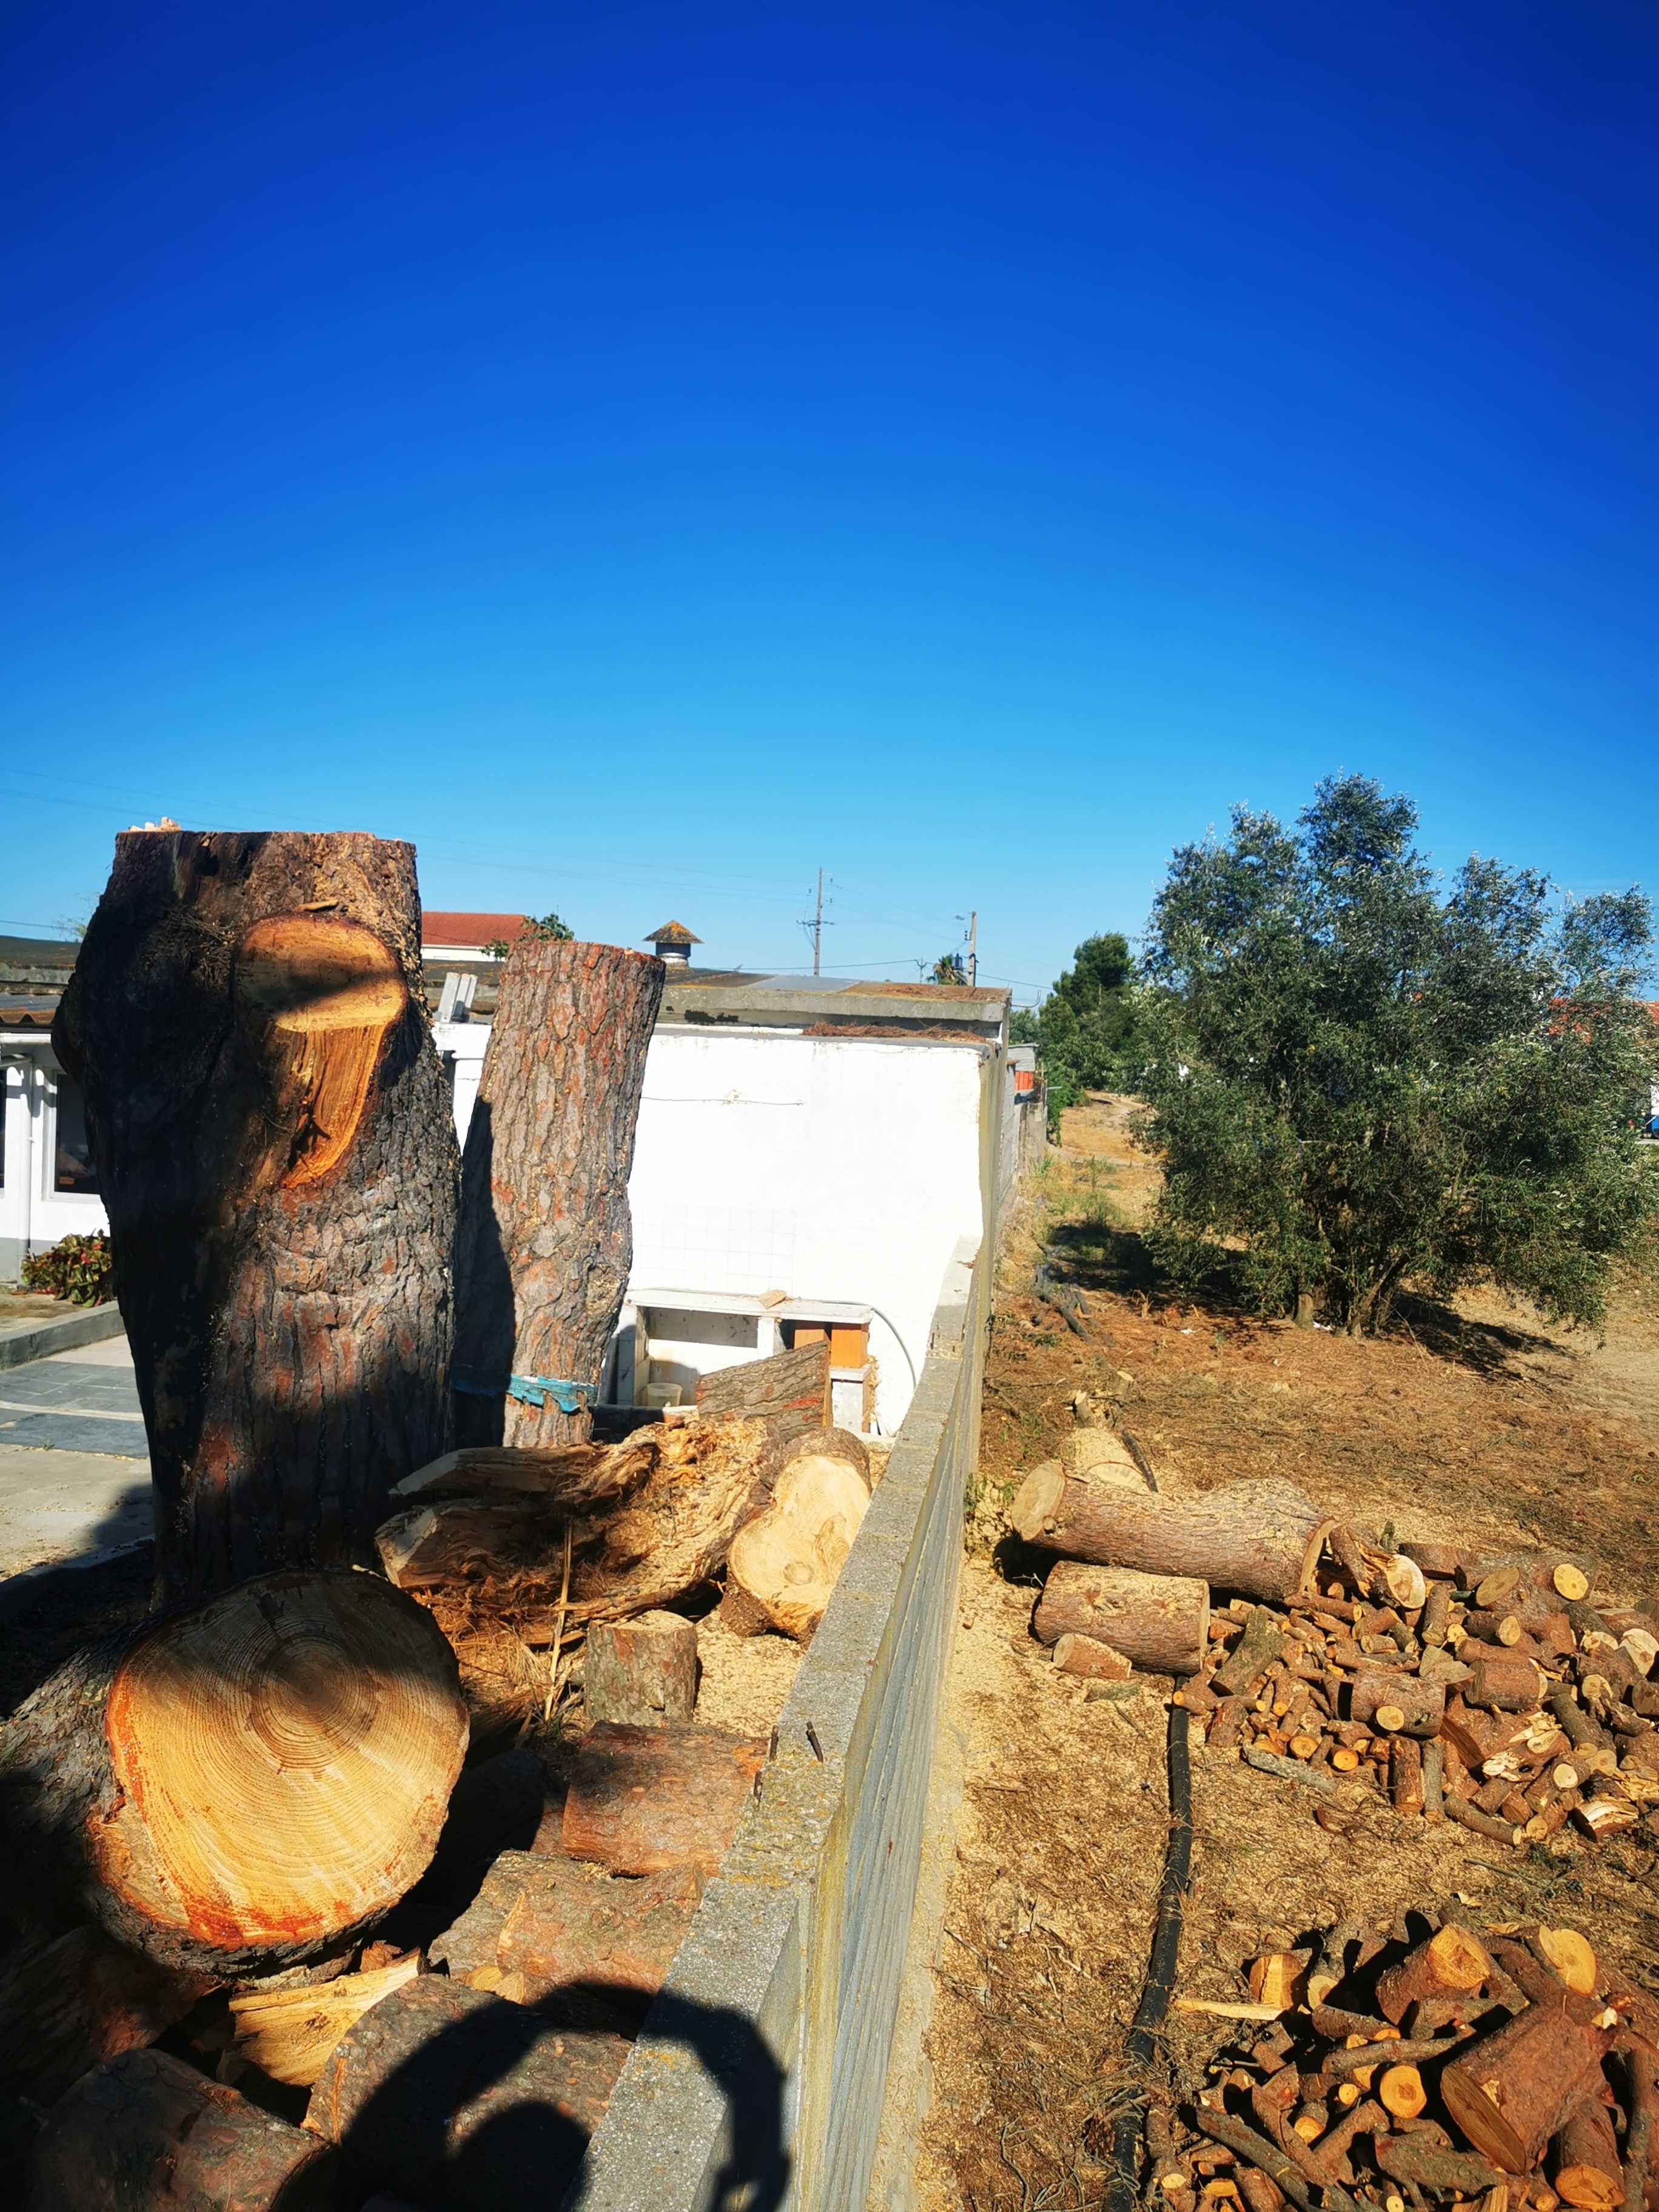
<point x="759" y="2079"/>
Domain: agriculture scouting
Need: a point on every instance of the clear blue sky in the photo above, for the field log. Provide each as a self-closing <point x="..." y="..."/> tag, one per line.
<point x="643" y="453"/>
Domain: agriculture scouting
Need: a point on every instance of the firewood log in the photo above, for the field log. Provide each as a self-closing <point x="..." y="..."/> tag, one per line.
<point x="1157" y="1621"/>
<point x="662" y="1531"/>
<point x="1406" y="1777"/>
<point x="1259" y="1538"/>
<point x="148" y="2133"/>
<point x="1380" y="1692"/>
<point x="1437" y="1560"/>
<point x="69" y="2002"/>
<point x="1261" y="1644"/>
<point x="241" y="1788"/>
<point x="1450" y="1963"/>
<point x="1587" y="2170"/>
<point x="643" y="1800"/>
<point x="1504" y="1682"/>
<point x="791" y="1388"/>
<point x="1083" y="1655"/>
<point x="276" y="1155"/>
<point x="1512" y="2090"/>
<point x="786" y="1559"/>
<point x="543" y="1928"/>
<point x="467" y="2102"/>
<point x="544" y="1243"/>
<point x="288" y="2033"/>
<point x="641" y="1672"/>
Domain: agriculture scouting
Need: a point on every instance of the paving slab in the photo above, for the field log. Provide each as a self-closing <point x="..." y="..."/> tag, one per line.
<point x="61" y="1504"/>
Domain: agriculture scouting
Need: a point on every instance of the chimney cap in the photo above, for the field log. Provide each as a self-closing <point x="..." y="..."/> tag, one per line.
<point x="671" y="932"/>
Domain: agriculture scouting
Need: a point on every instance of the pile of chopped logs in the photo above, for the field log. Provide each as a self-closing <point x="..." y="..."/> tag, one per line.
<point x="1437" y="2065"/>
<point x="1502" y="1694"/>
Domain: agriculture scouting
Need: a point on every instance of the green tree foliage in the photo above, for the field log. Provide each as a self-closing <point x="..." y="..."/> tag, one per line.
<point x="1357" y="1081"/>
<point x="949" y="967"/>
<point x="1088" y="1030"/>
<point x="550" y="928"/>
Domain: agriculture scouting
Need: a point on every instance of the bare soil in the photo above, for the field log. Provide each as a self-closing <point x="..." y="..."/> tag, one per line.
<point x="1485" y="1424"/>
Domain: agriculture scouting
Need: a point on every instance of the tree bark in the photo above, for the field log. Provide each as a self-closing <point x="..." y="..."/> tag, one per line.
<point x="245" y="1787"/>
<point x="546" y="1242"/>
<point x="650" y="1519"/>
<point x="70" y="2001"/>
<point x="1539" y="2065"/>
<point x="1158" y="1621"/>
<point x="1421" y="1704"/>
<point x="542" y="1926"/>
<point x="642" y="1672"/>
<point x="1505" y="1681"/>
<point x="1589" y="2172"/>
<point x="467" y="2102"/>
<point x="147" y="2133"/>
<point x="791" y="1388"/>
<point x="276" y="1152"/>
<point x="642" y="1800"/>
<point x="1259" y="1538"/>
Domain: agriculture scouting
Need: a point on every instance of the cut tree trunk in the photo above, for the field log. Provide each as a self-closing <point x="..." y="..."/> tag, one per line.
<point x="1505" y="1682"/>
<point x="1511" y="2091"/>
<point x="70" y="2001"/>
<point x="1452" y="1963"/>
<point x="469" y="2103"/>
<point x="147" y="2133"/>
<point x="1160" y="1622"/>
<point x="1589" y="2172"/>
<point x="791" y="1388"/>
<point x="658" y="1529"/>
<point x="243" y="1788"/>
<point x="277" y="1156"/>
<point x="546" y="1242"/>
<point x="642" y="1800"/>
<point x="641" y="1672"/>
<point x="786" y="1560"/>
<point x="1261" y="1538"/>
<point x="543" y="1928"/>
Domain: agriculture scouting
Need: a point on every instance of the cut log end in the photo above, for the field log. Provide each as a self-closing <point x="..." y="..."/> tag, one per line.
<point x="1036" y="1501"/>
<point x="786" y="1559"/>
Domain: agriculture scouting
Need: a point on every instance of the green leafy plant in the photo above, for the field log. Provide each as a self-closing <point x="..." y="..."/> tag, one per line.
<point x="550" y="928"/>
<point x="1357" y="1082"/>
<point x="1089" y="1030"/>
<point x="78" y="1269"/>
<point x="949" y="967"/>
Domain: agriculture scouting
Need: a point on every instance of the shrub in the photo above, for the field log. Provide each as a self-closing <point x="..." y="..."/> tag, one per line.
<point x="78" y="1269"/>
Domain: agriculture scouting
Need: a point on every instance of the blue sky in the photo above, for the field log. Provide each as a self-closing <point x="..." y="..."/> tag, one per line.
<point x="642" y="454"/>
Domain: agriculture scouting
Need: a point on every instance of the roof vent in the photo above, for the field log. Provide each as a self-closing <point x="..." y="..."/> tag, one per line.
<point x="673" y="943"/>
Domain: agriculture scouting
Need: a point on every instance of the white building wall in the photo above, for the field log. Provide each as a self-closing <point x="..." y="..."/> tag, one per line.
<point x="33" y="1214"/>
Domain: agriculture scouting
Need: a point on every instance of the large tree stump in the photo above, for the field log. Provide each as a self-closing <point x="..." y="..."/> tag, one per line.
<point x="467" y="2102"/>
<point x="1262" y="1539"/>
<point x="276" y="1152"/>
<point x="1161" y="1622"/>
<point x="240" y="1789"/>
<point x="1511" y="2091"/>
<point x="147" y="2133"/>
<point x="642" y="1800"/>
<point x="543" y="1926"/>
<point x="641" y="1672"/>
<point x="545" y="1241"/>
<point x="67" y="2003"/>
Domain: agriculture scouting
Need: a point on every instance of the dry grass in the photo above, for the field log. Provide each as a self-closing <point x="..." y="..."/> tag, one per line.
<point x="1485" y="1425"/>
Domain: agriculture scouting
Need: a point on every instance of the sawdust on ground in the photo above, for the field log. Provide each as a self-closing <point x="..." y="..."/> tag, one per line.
<point x="1487" y="1425"/>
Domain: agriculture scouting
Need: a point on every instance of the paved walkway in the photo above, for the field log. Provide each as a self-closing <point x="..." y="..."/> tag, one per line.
<point x="74" y="1472"/>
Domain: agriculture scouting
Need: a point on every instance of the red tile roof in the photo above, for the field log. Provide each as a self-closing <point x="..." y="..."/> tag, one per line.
<point x="474" y="929"/>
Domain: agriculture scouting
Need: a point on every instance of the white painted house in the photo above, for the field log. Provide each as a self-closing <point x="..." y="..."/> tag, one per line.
<point x="809" y="1154"/>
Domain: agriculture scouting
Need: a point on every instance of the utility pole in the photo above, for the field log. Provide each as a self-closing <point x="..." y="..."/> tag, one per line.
<point x="973" y="945"/>
<point x="816" y="927"/>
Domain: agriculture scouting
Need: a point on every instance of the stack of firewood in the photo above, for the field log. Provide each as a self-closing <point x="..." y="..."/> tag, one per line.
<point x="1502" y="2067"/>
<point x="1503" y="1694"/>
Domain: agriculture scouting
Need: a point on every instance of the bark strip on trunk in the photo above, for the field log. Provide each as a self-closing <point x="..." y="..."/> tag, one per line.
<point x="275" y="1150"/>
<point x="642" y="1800"/>
<point x="546" y="1242"/>
<point x="791" y="1388"/>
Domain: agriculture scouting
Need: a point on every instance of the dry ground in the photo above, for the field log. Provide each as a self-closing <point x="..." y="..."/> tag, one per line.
<point x="1485" y="1425"/>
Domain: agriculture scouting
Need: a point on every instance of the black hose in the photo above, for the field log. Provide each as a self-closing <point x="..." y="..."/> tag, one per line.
<point x="1123" y="2190"/>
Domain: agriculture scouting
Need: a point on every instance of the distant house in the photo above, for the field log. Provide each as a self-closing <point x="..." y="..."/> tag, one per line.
<point x="811" y="1153"/>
